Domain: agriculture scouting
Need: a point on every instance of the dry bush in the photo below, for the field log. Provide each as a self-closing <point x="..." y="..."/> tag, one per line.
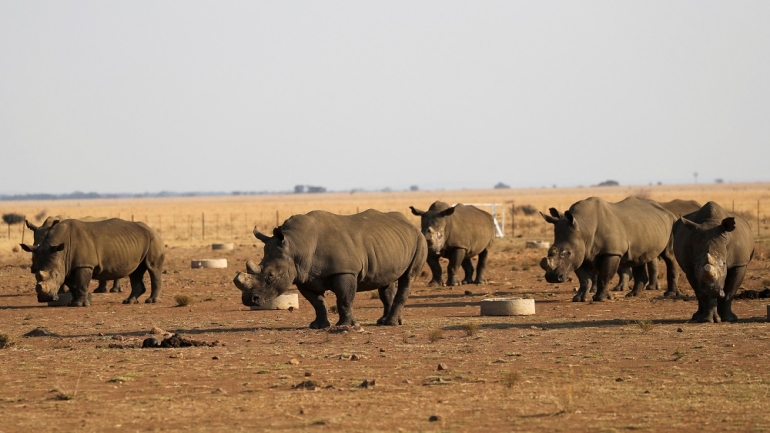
<point x="645" y="325"/>
<point x="511" y="378"/>
<point x="526" y="209"/>
<point x="6" y="341"/>
<point x="183" y="300"/>
<point x="435" y="335"/>
<point x="470" y="328"/>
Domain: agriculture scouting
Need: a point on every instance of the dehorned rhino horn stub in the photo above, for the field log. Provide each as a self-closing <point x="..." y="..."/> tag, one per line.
<point x="243" y="281"/>
<point x="709" y="272"/>
<point x="252" y="268"/>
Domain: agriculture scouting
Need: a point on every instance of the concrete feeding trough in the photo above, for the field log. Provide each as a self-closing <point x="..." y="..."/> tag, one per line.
<point x="65" y="299"/>
<point x="538" y="244"/>
<point x="208" y="263"/>
<point x="507" y="307"/>
<point x="223" y="247"/>
<point x="282" y="302"/>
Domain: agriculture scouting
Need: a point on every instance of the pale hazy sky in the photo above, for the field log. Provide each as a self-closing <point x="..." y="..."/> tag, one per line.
<point x="146" y="96"/>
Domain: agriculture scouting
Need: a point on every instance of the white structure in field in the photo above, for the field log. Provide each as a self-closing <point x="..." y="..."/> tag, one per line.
<point x="495" y="209"/>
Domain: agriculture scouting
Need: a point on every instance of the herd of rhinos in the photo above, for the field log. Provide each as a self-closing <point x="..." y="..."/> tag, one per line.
<point x="320" y="251"/>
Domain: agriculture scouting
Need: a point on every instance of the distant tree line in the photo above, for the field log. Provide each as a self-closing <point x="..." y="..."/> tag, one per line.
<point x="310" y="189"/>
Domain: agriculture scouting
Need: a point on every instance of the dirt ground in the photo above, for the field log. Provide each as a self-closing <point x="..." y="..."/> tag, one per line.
<point x="625" y="364"/>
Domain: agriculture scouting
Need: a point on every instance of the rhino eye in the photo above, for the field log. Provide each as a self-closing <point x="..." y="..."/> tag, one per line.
<point x="565" y="253"/>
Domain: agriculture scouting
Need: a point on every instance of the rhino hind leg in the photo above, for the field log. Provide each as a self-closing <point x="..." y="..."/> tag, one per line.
<point x="386" y="297"/>
<point x="672" y="291"/>
<point x="79" y="279"/>
<point x="116" y="287"/>
<point x="399" y="300"/>
<point x="640" y="280"/>
<point x="456" y="257"/>
<point x="137" y="285"/>
<point x="467" y="266"/>
<point x="652" y="273"/>
<point x="435" y="269"/>
<point x="344" y="287"/>
<point x="624" y="276"/>
<point x="481" y="266"/>
<point x="319" y="305"/>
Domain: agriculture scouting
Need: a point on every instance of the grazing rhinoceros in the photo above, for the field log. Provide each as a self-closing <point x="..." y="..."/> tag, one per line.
<point x="38" y="234"/>
<point x="594" y="235"/>
<point x="345" y="254"/>
<point x="677" y="207"/>
<point x="73" y="252"/>
<point x="457" y="233"/>
<point x="713" y="248"/>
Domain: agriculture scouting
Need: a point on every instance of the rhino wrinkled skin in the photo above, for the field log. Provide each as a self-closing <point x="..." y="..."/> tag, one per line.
<point x="594" y="236"/>
<point x="73" y="252"/>
<point x="38" y="234"/>
<point x="344" y="254"/>
<point x="713" y="247"/>
<point x="457" y="233"/>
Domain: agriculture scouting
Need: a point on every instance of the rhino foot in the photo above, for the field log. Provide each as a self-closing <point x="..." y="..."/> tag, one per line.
<point x="131" y="301"/>
<point x="671" y="294"/>
<point x="481" y="281"/>
<point x="152" y="300"/>
<point x="652" y="287"/>
<point x="116" y="290"/>
<point x="580" y="297"/>
<point x="435" y="283"/>
<point x="320" y="324"/>
<point x="618" y="288"/>
<point x="632" y="293"/>
<point x="709" y="316"/>
<point x="79" y="303"/>
<point x="389" y="322"/>
<point x="100" y="290"/>
<point x="601" y="297"/>
<point x="453" y="283"/>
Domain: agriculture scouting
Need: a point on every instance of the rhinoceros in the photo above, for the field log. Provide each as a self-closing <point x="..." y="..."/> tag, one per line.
<point x="458" y="233"/>
<point x="596" y="236"/>
<point x="345" y="254"/>
<point x="73" y="252"/>
<point x="677" y="207"/>
<point x="713" y="247"/>
<point x="38" y="234"/>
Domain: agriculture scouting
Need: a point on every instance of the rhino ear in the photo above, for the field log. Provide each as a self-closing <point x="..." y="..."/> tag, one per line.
<point x="417" y="211"/>
<point x="728" y="224"/>
<point x="262" y="237"/>
<point x="31" y="226"/>
<point x="27" y="248"/>
<point x="55" y="222"/>
<point x="278" y="233"/>
<point x="447" y="212"/>
<point x="689" y="224"/>
<point x="549" y="218"/>
<point x="571" y="218"/>
<point x="555" y="213"/>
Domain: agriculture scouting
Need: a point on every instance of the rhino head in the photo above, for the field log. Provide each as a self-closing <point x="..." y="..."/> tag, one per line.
<point x="49" y="269"/>
<point x="272" y="277"/>
<point x="710" y="242"/>
<point x="433" y="223"/>
<point x="568" y="250"/>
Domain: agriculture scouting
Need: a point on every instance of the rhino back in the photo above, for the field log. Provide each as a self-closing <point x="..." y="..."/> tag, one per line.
<point x="680" y="207"/>
<point x="634" y="229"/>
<point x="471" y="229"/>
<point x="114" y="248"/>
<point x="741" y="246"/>
<point x="377" y="247"/>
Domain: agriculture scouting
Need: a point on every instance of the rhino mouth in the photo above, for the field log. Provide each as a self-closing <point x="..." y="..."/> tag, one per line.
<point x="47" y="297"/>
<point x="555" y="277"/>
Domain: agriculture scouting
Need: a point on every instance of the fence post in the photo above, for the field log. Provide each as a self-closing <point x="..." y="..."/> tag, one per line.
<point x="203" y="226"/>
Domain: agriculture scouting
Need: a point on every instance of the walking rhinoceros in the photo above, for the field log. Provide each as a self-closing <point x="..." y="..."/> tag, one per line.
<point x="458" y="233"/>
<point x="38" y="234"/>
<point x="345" y="254"/>
<point x="594" y="235"/>
<point x="73" y="252"/>
<point x="713" y="247"/>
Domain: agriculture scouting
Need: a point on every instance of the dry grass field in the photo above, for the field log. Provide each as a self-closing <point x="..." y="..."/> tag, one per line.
<point x="625" y="364"/>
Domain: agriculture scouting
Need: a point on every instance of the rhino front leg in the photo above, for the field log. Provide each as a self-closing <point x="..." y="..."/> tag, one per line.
<point x="481" y="266"/>
<point x="467" y="266"/>
<point x="116" y="286"/>
<point x="640" y="280"/>
<point x="79" y="279"/>
<point x="394" y="317"/>
<point x="456" y="257"/>
<point x="652" y="273"/>
<point x="586" y="277"/>
<point x="624" y="277"/>
<point x="711" y="314"/>
<point x="137" y="285"/>
<point x="435" y="269"/>
<point x="732" y="283"/>
<point x="344" y="287"/>
<point x="672" y="291"/>
<point x="386" y="297"/>
<point x="317" y="300"/>
<point x="607" y="267"/>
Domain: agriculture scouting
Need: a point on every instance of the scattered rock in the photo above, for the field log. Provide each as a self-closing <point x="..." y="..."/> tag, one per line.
<point x="367" y="384"/>
<point x="157" y="330"/>
<point x="434" y="418"/>
<point x="219" y="391"/>
<point x="176" y="341"/>
<point x="679" y="330"/>
<point x="151" y="342"/>
<point x="355" y="357"/>
<point x="118" y="337"/>
<point x="215" y="357"/>
<point x="442" y="367"/>
<point x="618" y="379"/>
<point x="177" y="355"/>
<point x="754" y="294"/>
<point x="407" y="381"/>
<point x="40" y="332"/>
<point x="308" y="374"/>
<point x="307" y="385"/>
<point x="468" y="293"/>
<point x="293" y="361"/>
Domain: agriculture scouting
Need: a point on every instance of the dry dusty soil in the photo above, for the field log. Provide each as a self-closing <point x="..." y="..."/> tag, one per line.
<point x="626" y="364"/>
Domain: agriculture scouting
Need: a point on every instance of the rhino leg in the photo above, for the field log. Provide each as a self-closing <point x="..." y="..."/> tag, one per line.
<point x="481" y="266"/>
<point x="733" y="281"/>
<point x="624" y="278"/>
<point x="137" y="285"/>
<point x="79" y="279"/>
<point x="586" y="278"/>
<point x="344" y="287"/>
<point x="435" y="269"/>
<point x="456" y="257"/>
<point x="386" y="296"/>
<point x="116" y="287"/>
<point x="607" y="268"/>
<point x="102" y="287"/>
<point x="399" y="300"/>
<point x="319" y="305"/>
<point x="640" y="280"/>
<point x="672" y="291"/>
<point x="710" y="313"/>
<point x="652" y="273"/>
<point x="467" y="266"/>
